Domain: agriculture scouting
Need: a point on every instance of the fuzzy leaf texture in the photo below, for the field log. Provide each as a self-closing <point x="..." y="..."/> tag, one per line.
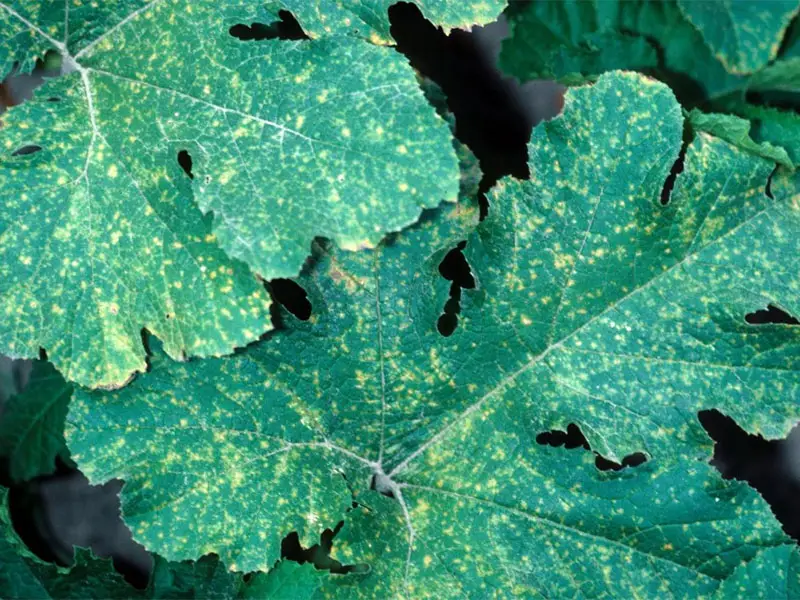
<point x="703" y="50"/>
<point x="100" y="234"/>
<point x="593" y="304"/>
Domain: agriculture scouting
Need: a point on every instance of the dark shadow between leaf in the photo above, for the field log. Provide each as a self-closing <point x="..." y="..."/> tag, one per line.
<point x="772" y="467"/>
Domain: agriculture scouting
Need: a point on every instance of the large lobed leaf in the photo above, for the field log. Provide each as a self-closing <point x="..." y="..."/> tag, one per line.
<point x="594" y="304"/>
<point x="100" y="235"/>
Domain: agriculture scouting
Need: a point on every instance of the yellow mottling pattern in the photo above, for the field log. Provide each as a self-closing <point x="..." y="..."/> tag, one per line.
<point x="103" y="214"/>
<point x="369" y="19"/>
<point x="744" y="35"/>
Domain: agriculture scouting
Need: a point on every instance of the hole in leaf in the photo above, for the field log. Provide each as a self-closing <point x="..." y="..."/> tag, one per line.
<point x="772" y="314"/>
<point x="768" y="187"/>
<point x="318" y="554"/>
<point x="454" y="267"/>
<point x="447" y="324"/>
<point x="26" y="150"/>
<point x="291" y="296"/>
<point x="669" y="182"/>
<point x="772" y="467"/>
<point x="185" y="161"/>
<point x="287" y="28"/>
<point x="54" y="99"/>
<point x="632" y="460"/>
<point x="573" y="438"/>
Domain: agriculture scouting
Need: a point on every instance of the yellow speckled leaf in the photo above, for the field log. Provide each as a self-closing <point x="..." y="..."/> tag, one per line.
<point x="593" y="304"/>
<point x="743" y="34"/>
<point x="370" y="18"/>
<point x="100" y="234"/>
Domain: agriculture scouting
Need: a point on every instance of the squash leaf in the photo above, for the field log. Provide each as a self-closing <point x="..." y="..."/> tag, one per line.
<point x="370" y="18"/>
<point x="774" y="573"/>
<point x="744" y="36"/>
<point x="703" y="50"/>
<point x="588" y="302"/>
<point x="737" y="131"/>
<point x="25" y="576"/>
<point x="772" y="126"/>
<point x="281" y="142"/>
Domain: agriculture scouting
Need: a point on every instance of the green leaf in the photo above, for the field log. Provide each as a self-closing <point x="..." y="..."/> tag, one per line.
<point x="685" y="44"/>
<point x="736" y="131"/>
<point x="289" y="140"/>
<point x="652" y="37"/>
<point x="24" y="576"/>
<point x="32" y="424"/>
<point x="248" y="424"/>
<point x="594" y="304"/>
<point x="773" y="126"/>
<point x="287" y="580"/>
<point x="27" y="27"/>
<point x="370" y="18"/>
<point x="743" y="35"/>
<point x="773" y="573"/>
<point x="204" y="579"/>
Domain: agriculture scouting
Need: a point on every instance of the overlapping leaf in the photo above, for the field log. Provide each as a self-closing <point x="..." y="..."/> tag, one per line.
<point x="370" y="18"/>
<point x="687" y="44"/>
<point x="24" y="576"/>
<point x="287" y="140"/>
<point x="594" y="304"/>
<point x="744" y="36"/>
<point x="738" y="131"/>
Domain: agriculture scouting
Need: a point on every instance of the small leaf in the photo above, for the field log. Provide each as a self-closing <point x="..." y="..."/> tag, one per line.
<point x="737" y="131"/>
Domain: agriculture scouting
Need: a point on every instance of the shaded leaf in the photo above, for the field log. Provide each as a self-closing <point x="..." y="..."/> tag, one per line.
<point x="24" y="576"/>
<point x="743" y="35"/>
<point x="685" y="44"/>
<point x="32" y="424"/>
